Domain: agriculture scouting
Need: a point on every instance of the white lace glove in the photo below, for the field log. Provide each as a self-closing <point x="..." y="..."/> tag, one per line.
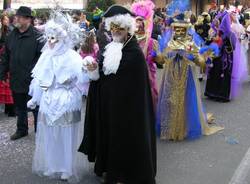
<point x="87" y="61"/>
<point x="31" y="104"/>
<point x="93" y="75"/>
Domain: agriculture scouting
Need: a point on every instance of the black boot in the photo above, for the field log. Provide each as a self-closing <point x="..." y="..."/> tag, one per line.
<point x="12" y="111"/>
<point x="35" y="114"/>
<point x="18" y="135"/>
<point x="6" y="109"/>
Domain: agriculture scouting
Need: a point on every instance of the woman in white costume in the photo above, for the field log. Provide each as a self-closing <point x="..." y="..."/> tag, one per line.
<point x="57" y="87"/>
<point x="240" y="32"/>
<point x="240" y="68"/>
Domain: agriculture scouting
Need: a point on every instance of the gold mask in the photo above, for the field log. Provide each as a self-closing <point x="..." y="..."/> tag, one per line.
<point x="180" y="32"/>
<point x="115" y="28"/>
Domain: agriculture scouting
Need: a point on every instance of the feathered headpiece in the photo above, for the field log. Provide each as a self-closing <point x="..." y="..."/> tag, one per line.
<point x="60" y="27"/>
<point x="213" y="47"/>
<point x="177" y="7"/>
<point x="145" y="9"/>
<point x="209" y="52"/>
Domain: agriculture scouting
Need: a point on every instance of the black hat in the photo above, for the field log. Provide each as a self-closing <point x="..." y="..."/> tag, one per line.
<point x="24" y="11"/>
<point x="117" y="10"/>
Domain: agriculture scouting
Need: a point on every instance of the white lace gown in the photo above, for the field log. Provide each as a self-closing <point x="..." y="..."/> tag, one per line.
<point x="60" y="121"/>
<point x="239" y="30"/>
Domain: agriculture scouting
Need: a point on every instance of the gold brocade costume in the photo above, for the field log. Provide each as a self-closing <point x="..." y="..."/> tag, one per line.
<point x="180" y="87"/>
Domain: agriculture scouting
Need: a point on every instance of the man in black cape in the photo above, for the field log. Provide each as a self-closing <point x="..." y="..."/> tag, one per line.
<point x="119" y="134"/>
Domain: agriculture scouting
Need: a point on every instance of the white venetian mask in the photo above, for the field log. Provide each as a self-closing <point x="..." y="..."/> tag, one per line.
<point x="52" y="39"/>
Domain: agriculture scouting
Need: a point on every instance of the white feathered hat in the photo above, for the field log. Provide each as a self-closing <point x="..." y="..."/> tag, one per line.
<point x="61" y="27"/>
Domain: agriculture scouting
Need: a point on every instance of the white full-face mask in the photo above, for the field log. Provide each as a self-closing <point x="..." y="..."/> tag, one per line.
<point x="54" y="33"/>
<point x="52" y="40"/>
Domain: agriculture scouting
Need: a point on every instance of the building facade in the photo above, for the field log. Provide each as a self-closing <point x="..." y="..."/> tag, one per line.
<point x="72" y="4"/>
<point x="197" y="5"/>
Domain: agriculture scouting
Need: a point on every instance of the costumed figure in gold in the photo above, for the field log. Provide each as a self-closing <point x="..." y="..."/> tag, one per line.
<point x="180" y="113"/>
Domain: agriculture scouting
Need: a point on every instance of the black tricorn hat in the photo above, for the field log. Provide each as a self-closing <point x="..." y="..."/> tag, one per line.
<point x="24" y="11"/>
<point x="117" y="10"/>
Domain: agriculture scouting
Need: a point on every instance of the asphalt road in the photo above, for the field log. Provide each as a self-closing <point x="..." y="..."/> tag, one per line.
<point x="209" y="160"/>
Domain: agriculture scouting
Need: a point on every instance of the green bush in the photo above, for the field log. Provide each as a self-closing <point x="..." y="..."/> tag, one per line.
<point x="102" y="4"/>
<point x="42" y="13"/>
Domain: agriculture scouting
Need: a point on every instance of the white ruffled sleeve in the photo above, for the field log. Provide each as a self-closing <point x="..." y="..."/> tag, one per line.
<point x="83" y="83"/>
<point x="94" y="75"/>
<point x="35" y="91"/>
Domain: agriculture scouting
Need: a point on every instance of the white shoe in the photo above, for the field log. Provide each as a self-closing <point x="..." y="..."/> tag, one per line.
<point x="65" y="176"/>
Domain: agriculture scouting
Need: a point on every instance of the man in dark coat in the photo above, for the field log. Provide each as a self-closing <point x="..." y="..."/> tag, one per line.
<point x="119" y="133"/>
<point x="21" y="54"/>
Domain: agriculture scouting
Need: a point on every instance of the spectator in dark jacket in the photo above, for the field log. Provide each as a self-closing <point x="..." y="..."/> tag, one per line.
<point x="156" y="28"/>
<point x="5" y="92"/>
<point x="21" y="54"/>
<point x="157" y="31"/>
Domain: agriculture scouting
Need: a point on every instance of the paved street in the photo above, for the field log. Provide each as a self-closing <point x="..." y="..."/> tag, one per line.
<point x="209" y="160"/>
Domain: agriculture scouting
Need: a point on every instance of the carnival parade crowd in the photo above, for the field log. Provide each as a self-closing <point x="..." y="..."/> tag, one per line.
<point x="92" y="86"/>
